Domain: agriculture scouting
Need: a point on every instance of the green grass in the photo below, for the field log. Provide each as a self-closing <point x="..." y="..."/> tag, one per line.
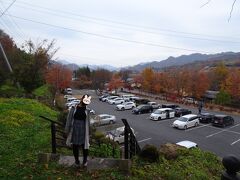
<point x="190" y="164"/>
<point x="23" y="135"/>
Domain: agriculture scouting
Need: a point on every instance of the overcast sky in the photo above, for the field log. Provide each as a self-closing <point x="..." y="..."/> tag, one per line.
<point x="125" y="32"/>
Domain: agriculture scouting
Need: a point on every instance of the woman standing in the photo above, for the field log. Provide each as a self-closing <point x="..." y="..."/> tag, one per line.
<point x="77" y="129"/>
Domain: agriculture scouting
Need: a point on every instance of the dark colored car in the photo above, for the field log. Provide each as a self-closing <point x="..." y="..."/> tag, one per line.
<point x="173" y="106"/>
<point x="144" y="108"/>
<point x="222" y="120"/>
<point x="181" y="111"/>
<point x="206" y="118"/>
<point x="141" y="101"/>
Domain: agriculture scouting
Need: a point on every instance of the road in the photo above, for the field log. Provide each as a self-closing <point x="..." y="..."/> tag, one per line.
<point x="221" y="141"/>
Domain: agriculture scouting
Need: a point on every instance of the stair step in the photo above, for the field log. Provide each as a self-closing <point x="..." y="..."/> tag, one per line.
<point x="98" y="163"/>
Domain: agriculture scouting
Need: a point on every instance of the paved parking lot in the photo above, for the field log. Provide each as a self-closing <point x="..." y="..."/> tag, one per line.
<point x="221" y="141"/>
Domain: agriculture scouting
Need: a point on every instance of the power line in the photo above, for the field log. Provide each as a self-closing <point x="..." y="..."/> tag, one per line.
<point x="116" y="22"/>
<point x="108" y="37"/>
<point x="14" y="25"/>
<point x="7" y="8"/>
<point x="132" y="28"/>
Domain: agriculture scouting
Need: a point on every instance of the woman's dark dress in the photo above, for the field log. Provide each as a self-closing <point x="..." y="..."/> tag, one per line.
<point x="78" y="135"/>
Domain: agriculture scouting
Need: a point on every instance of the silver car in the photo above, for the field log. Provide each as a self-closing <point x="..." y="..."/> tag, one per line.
<point x="102" y="119"/>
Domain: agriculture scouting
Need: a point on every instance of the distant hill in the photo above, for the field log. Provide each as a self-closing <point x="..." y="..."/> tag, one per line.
<point x="74" y="66"/>
<point x="185" y="59"/>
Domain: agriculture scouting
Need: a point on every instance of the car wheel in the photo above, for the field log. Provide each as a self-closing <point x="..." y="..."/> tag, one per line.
<point x="232" y="122"/>
<point x="122" y="108"/>
<point x="111" y="122"/>
<point x="139" y="112"/>
<point x="132" y="107"/>
<point x="185" y="127"/>
<point x="196" y="124"/>
<point x="159" y="118"/>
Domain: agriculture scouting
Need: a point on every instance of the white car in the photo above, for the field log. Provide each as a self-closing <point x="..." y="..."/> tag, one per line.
<point x="187" y="144"/>
<point x="103" y="119"/>
<point x="125" y="106"/>
<point x="67" y="96"/>
<point x="71" y="99"/>
<point x="116" y="101"/>
<point x="162" y="113"/>
<point x="117" y="135"/>
<point x="154" y="105"/>
<point x="111" y="98"/>
<point x="73" y="103"/>
<point x="186" y="121"/>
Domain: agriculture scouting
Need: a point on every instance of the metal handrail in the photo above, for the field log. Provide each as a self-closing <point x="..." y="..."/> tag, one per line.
<point x="131" y="146"/>
<point x="51" y="121"/>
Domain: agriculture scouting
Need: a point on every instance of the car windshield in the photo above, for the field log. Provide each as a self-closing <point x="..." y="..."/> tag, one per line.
<point x="183" y="119"/>
<point x="139" y="107"/>
<point x="157" y="111"/>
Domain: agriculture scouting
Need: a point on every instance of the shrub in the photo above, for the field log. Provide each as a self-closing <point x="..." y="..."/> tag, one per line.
<point x="149" y="153"/>
<point x="169" y="151"/>
<point x="11" y="91"/>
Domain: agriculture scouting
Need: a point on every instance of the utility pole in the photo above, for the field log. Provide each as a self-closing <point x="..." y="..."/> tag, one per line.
<point x="7" y="62"/>
<point x="6" y="59"/>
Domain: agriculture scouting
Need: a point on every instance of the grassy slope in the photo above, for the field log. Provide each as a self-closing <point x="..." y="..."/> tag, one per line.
<point x="23" y="135"/>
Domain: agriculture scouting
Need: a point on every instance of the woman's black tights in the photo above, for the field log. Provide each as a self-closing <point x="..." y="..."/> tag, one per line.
<point x="76" y="153"/>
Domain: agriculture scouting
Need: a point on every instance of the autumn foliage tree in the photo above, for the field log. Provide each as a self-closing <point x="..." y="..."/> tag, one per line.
<point x="59" y="77"/>
<point x="232" y="84"/>
<point x="116" y="82"/>
<point x="148" y="79"/>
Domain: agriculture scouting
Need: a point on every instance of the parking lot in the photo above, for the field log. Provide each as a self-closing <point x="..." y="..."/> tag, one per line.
<point x="221" y="141"/>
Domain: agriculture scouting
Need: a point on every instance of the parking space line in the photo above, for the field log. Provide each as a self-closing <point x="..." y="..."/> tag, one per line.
<point x="221" y="131"/>
<point x="235" y="142"/>
<point x="226" y="130"/>
<point x="197" y="127"/>
<point x="139" y="141"/>
<point x="144" y="140"/>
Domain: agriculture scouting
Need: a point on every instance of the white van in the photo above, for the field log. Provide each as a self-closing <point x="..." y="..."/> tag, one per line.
<point x="127" y="96"/>
<point x="162" y="113"/>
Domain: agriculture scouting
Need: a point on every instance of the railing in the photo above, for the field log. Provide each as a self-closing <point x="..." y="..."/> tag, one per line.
<point x="58" y="137"/>
<point x="57" y="133"/>
<point x="131" y="146"/>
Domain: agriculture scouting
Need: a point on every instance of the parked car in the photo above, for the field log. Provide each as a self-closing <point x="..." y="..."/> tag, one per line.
<point x="116" y="101"/>
<point x="206" y="117"/>
<point x="126" y="105"/>
<point x="110" y="98"/>
<point x="144" y="108"/>
<point x="71" y="99"/>
<point x="181" y="112"/>
<point x="104" y="99"/>
<point x="173" y="106"/>
<point x="222" y="120"/>
<point x="187" y="144"/>
<point x="69" y="91"/>
<point x="117" y="135"/>
<point x="186" y="121"/>
<point x="67" y="96"/>
<point x="127" y="96"/>
<point x="134" y="98"/>
<point x="154" y="105"/>
<point x="103" y="119"/>
<point x="103" y="96"/>
<point x="141" y="101"/>
<point x="162" y="113"/>
<point x="189" y="100"/>
<point x="72" y="103"/>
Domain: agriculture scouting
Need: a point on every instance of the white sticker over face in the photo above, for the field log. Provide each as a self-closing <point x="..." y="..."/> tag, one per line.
<point x="87" y="99"/>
